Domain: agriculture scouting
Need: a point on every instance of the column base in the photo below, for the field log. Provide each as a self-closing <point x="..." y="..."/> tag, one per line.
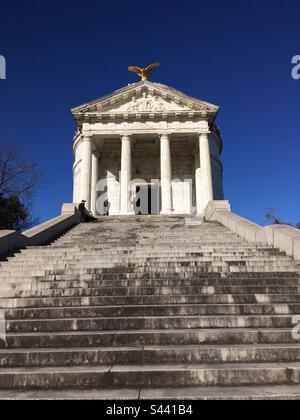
<point x="126" y="213"/>
<point x="167" y="212"/>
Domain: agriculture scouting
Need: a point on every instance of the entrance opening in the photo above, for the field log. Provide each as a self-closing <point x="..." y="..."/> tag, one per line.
<point x="147" y="199"/>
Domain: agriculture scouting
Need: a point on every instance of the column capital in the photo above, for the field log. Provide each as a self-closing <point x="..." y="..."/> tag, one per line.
<point x="164" y="135"/>
<point x="204" y="133"/>
<point x="97" y="153"/>
<point x="126" y="137"/>
<point x="86" y="137"/>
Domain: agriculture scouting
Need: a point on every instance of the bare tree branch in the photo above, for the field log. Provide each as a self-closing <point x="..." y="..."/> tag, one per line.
<point x="18" y="176"/>
<point x="271" y="219"/>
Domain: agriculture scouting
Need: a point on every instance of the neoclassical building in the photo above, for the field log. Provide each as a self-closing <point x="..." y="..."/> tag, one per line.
<point x="147" y="148"/>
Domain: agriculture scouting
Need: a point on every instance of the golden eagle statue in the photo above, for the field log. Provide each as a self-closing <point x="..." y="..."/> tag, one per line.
<point x="144" y="73"/>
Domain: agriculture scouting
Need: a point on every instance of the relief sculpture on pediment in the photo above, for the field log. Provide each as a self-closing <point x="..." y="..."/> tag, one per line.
<point x="148" y="103"/>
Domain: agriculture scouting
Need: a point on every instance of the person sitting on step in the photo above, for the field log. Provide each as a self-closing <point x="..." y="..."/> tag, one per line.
<point x="86" y="215"/>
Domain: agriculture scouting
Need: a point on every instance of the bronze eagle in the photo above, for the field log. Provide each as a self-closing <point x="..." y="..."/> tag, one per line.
<point x="144" y="73"/>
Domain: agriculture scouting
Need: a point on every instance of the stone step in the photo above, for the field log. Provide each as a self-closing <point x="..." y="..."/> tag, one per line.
<point x="181" y="234"/>
<point x="56" y="305"/>
<point x="141" y="258"/>
<point x="155" y="310"/>
<point x="159" y="237"/>
<point x="117" y="394"/>
<point x="144" y="291"/>
<point x="243" y="266"/>
<point x="100" y="260"/>
<point x="145" y="266"/>
<point x="141" y="302"/>
<point x="97" y="252"/>
<point x="54" y="377"/>
<point x="94" y="275"/>
<point x="150" y="355"/>
<point x="211" y="375"/>
<point x="144" y="263"/>
<point x="94" y="287"/>
<point x="150" y="376"/>
<point x="243" y="393"/>
<point x="150" y="322"/>
<point x="145" y="233"/>
<point x="91" y="283"/>
<point x="118" y="253"/>
<point x="165" y="248"/>
<point x="184" y="298"/>
<point x="94" y="281"/>
<point x="187" y="336"/>
<point x="37" y="303"/>
<point x="238" y="393"/>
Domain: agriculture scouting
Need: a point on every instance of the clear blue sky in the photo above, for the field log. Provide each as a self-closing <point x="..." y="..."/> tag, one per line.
<point x="236" y="54"/>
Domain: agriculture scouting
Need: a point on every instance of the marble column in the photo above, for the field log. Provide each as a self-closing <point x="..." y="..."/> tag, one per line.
<point x="86" y="170"/>
<point x="95" y="171"/>
<point x="207" y="194"/>
<point x="76" y="184"/>
<point x="198" y="181"/>
<point x="125" y="207"/>
<point x="166" y="174"/>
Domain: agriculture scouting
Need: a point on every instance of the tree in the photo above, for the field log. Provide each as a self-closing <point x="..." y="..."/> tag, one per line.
<point x="19" y="179"/>
<point x="271" y="219"/>
<point x="13" y="214"/>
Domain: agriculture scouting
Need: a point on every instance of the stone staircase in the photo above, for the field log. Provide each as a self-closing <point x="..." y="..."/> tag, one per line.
<point x="150" y="307"/>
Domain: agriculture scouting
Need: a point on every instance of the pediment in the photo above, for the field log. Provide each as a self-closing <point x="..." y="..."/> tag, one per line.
<point x="148" y="102"/>
<point x="143" y="98"/>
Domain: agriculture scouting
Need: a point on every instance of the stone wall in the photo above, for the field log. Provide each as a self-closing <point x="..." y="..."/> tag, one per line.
<point x="42" y="234"/>
<point x="284" y="237"/>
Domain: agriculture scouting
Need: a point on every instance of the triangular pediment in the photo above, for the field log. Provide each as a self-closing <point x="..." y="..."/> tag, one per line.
<point x="145" y="97"/>
<point x="147" y="102"/>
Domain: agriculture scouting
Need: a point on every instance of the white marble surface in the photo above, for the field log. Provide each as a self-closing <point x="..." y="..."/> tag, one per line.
<point x="148" y="131"/>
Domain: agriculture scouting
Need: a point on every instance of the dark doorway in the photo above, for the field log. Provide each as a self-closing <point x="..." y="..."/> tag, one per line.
<point x="147" y="200"/>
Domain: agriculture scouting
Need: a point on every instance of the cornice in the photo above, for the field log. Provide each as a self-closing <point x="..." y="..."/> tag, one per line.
<point x="103" y="108"/>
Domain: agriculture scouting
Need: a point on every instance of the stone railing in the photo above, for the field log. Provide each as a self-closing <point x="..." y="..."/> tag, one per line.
<point x="42" y="234"/>
<point x="284" y="237"/>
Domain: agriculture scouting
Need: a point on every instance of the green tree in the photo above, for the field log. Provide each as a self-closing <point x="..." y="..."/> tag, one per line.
<point x="19" y="179"/>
